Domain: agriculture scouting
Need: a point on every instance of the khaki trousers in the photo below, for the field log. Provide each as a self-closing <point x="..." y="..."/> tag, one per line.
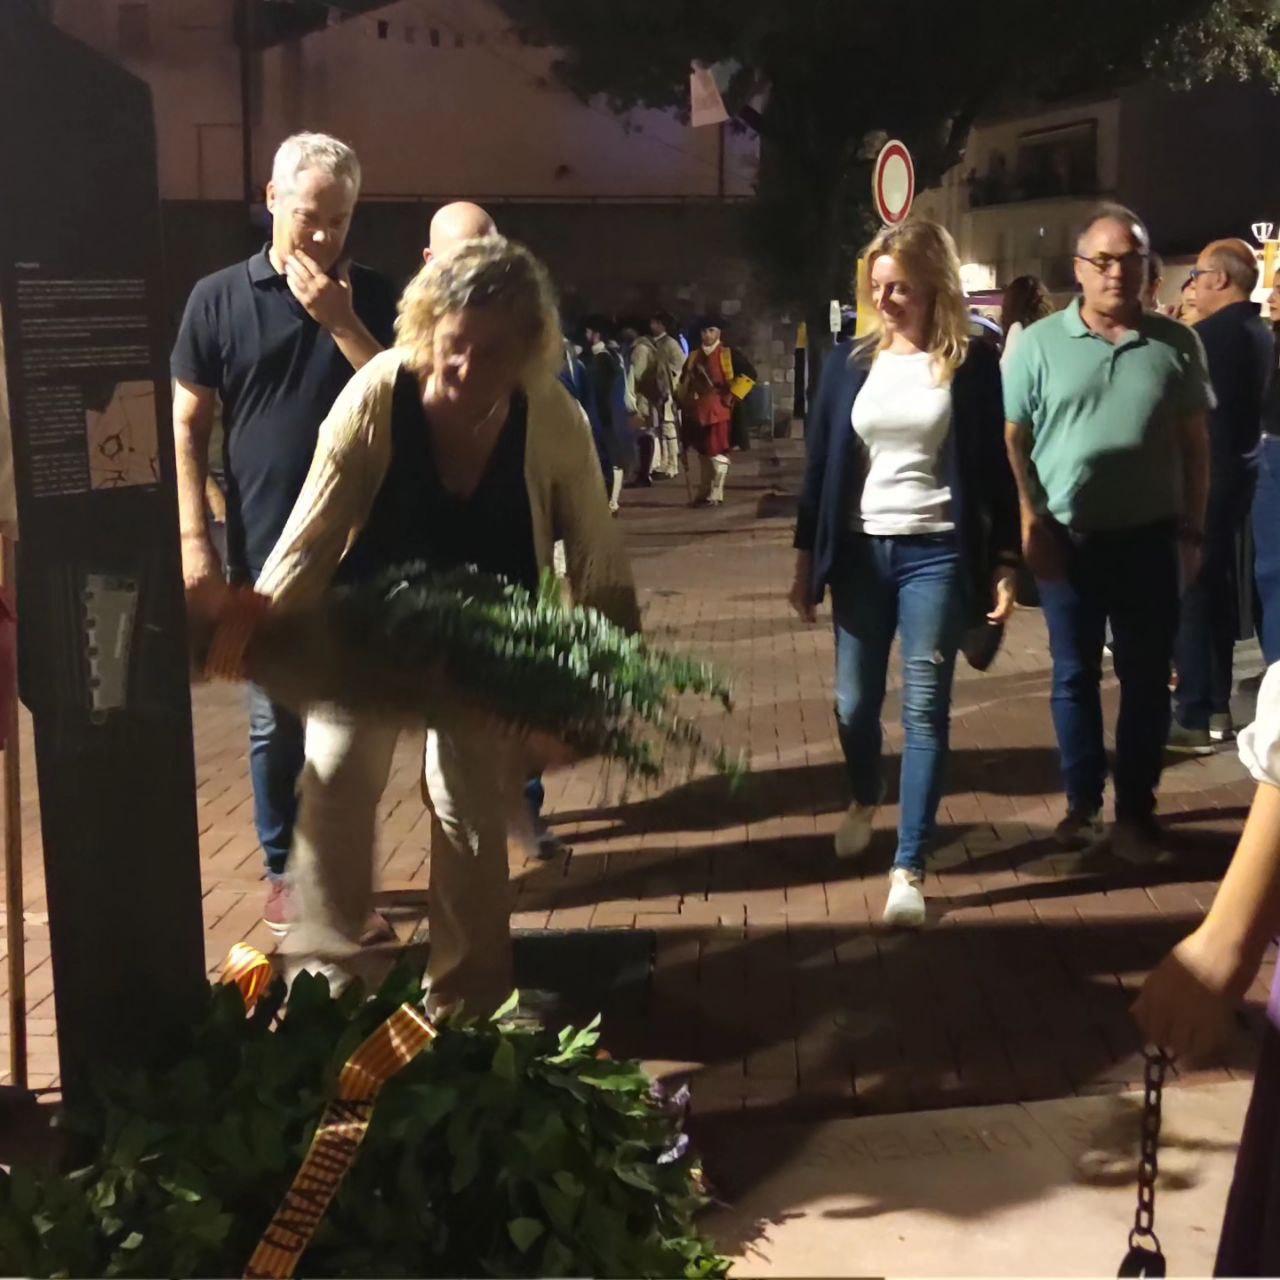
<point x="471" y="783"/>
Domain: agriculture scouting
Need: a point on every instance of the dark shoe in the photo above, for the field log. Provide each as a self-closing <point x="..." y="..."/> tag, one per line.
<point x="277" y="914"/>
<point x="1081" y="829"/>
<point x="548" y="846"/>
<point x="377" y="930"/>
<point x="1194" y="742"/>
<point x="1221" y="728"/>
<point x="1140" y="842"/>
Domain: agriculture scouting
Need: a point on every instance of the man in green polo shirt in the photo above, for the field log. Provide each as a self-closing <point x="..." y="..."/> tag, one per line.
<point x="1106" y="425"/>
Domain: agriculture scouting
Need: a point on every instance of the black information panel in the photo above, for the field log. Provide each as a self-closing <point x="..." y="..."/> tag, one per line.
<point x="101" y="626"/>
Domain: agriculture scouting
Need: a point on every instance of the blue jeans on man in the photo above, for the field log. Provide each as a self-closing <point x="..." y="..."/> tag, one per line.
<point x="275" y="763"/>
<point x="910" y="586"/>
<point x="1266" y="545"/>
<point x="1130" y="578"/>
<point x="1211" y="605"/>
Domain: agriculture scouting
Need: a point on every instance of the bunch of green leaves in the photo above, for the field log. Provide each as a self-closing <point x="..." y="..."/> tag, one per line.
<point x="538" y="662"/>
<point x="500" y="1150"/>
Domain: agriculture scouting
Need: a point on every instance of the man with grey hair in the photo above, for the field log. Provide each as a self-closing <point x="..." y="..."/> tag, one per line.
<point x="1241" y="352"/>
<point x="1106" y="406"/>
<point x="275" y="339"/>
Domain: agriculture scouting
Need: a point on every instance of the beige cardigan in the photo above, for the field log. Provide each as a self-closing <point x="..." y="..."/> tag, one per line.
<point x="562" y="472"/>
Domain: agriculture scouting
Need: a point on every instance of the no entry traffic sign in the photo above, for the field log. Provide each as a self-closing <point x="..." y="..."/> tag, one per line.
<point x="893" y="183"/>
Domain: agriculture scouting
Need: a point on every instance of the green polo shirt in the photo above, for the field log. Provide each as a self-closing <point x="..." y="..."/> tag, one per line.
<point x="1105" y="416"/>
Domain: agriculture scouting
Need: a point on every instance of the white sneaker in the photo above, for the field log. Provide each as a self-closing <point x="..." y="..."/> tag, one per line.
<point x="905" y="908"/>
<point x="855" y="831"/>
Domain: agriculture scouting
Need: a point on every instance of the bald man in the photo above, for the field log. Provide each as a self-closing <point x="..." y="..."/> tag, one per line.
<point x="455" y="223"/>
<point x="1240" y="351"/>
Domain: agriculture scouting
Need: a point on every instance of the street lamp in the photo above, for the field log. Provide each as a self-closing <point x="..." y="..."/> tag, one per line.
<point x="1264" y="234"/>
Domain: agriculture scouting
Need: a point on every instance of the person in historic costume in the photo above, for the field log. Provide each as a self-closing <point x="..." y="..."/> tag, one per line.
<point x="607" y="378"/>
<point x="713" y="379"/>
<point x="656" y="364"/>
<point x="456" y="447"/>
<point x="1186" y="1004"/>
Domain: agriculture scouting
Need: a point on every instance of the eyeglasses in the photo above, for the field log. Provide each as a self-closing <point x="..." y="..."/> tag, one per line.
<point x="1196" y="272"/>
<point x="1103" y="262"/>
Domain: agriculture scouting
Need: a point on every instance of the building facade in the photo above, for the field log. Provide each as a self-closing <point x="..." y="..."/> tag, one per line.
<point x="442" y="100"/>
<point x="439" y="97"/>
<point x="1196" y="165"/>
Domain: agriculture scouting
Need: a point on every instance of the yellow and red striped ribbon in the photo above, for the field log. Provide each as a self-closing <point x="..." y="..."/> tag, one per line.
<point x="248" y="969"/>
<point x="333" y="1149"/>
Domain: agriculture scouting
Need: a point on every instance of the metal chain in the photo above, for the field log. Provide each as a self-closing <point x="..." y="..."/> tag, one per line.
<point x="1149" y="1152"/>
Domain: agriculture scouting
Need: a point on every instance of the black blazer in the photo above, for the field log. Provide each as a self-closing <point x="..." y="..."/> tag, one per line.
<point x="984" y="498"/>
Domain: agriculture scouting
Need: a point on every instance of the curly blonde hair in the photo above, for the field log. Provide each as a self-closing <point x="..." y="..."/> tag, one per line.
<point x="488" y="272"/>
<point x="928" y="256"/>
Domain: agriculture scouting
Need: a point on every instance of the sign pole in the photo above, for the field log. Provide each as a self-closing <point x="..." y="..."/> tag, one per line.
<point x="102" y="652"/>
<point x="15" y="921"/>
<point x="864" y="315"/>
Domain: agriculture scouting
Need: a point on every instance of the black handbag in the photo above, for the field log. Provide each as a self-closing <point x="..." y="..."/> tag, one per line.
<point x="981" y="643"/>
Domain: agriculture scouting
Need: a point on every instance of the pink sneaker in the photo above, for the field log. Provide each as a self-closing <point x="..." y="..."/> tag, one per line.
<point x="276" y="914"/>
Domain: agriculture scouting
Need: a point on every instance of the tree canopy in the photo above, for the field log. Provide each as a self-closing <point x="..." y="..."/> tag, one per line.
<point x="821" y="81"/>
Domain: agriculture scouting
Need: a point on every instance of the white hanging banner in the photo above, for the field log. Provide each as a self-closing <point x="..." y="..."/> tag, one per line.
<point x="706" y="106"/>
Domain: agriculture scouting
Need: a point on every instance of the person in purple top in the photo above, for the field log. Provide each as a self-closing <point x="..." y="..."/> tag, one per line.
<point x="1186" y="1004"/>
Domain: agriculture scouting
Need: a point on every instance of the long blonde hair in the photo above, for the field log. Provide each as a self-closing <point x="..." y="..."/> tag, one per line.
<point x="928" y="255"/>
<point x="489" y="271"/>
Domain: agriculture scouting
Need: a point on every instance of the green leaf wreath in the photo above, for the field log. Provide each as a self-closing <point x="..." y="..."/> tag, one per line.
<point x="500" y="1150"/>
<point x="528" y="657"/>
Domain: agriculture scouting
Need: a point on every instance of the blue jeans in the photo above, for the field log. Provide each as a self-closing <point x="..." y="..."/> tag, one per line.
<point x="275" y="763"/>
<point x="1211" y="605"/>
<point x="1266" y="545"/>
<point x="910" y="586"/>
<point x="1131" y="578"/>
<point x="535" y="795"/>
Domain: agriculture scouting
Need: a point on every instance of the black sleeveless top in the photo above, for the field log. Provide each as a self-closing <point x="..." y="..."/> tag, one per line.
<point x="414" y="517"/>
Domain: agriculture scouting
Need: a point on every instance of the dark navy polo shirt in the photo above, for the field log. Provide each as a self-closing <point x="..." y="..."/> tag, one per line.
<point x="1240" y="348"/>
<point x="277" y="373"/>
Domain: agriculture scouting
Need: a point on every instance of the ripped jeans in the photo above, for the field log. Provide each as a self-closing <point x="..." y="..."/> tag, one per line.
<point x="910" y="586"/>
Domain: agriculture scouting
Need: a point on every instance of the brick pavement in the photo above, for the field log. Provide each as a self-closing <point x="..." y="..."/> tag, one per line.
<point x="772" y="977"/>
